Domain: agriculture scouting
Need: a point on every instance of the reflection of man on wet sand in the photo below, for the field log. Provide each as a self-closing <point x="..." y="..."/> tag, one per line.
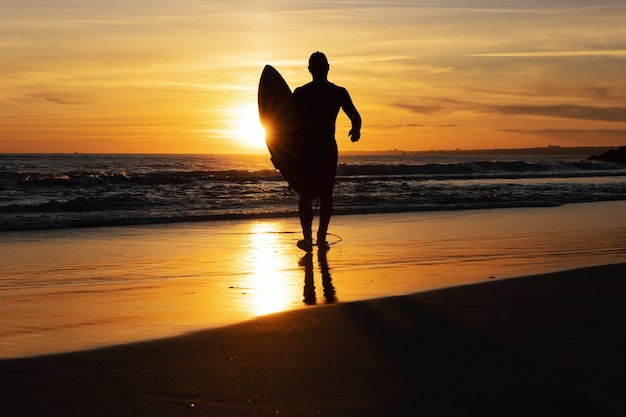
<point x="309" y="281"/>
<point x="318" y="103"/>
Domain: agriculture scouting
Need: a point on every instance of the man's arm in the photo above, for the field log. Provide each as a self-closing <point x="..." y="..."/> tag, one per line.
<point x="354" y="116"/>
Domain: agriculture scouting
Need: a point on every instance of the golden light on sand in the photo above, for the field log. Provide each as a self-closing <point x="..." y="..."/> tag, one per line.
<point x="270" y="289"/>
<point x="249" y="127"/>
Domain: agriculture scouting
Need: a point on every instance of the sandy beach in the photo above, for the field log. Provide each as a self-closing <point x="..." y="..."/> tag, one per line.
<point x="547" y="345"/>
<point x="491" y="312"/>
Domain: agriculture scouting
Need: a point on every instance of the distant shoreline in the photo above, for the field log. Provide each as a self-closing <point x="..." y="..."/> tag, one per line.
<point x="548" y="150"/>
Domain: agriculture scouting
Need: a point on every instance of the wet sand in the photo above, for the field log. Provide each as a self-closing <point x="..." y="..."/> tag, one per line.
<point x="546" y="345"/>
<point x="68" y="290"/>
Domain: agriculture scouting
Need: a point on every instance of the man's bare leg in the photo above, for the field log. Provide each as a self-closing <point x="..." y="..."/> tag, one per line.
<point x="326" y="208"/>
<point x="305" y="210"/>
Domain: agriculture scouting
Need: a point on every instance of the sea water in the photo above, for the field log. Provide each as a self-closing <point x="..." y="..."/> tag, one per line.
<point x="39" y="192"/>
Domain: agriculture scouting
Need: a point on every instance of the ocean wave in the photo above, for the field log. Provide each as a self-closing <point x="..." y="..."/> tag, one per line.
<point x="469" y="170"/>
<point x="484" y="169"/>
<point x="167" y="177"/>
<point x="48" y="192"/>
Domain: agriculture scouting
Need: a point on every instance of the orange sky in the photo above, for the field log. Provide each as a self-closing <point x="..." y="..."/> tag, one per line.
<point x="181" y="76"/>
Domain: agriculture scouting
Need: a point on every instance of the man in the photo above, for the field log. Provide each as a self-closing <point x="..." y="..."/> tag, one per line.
<point x="318" y="104"/>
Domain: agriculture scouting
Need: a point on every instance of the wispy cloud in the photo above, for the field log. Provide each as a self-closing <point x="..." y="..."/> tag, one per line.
<point x="435" y="106"/>
<point x="63" y="99"/>
<point x="569" y="111"/>
<point x="393" y="126"/>
<point x="610" y="52"/>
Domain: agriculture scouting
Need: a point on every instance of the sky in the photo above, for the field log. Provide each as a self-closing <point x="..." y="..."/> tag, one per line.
<point x="181" y="76"/>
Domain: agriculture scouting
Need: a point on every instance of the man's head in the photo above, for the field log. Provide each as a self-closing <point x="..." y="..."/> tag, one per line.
<point x="318" y="65"/>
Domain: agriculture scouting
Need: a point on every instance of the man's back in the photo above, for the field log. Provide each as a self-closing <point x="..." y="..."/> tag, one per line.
<point x="318" y="103"/>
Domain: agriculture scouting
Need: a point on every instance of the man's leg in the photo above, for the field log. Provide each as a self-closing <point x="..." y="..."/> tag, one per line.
<point x="305" y="210"/>
<point x="326" y="208"/>
<point x="306" y="216"/>
<point x="326" y="203"/>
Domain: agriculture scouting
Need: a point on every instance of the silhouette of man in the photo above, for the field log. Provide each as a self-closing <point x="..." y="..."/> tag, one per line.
<point x="318" y="104"/>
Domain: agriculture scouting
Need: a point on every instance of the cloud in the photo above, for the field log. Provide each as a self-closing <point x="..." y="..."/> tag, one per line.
<point x="420" y="109"/>
<point x="70" y="99"/>
<point x="440" y="105"/>
<point x="609" y="52"/>
<point x="393" y="126"/>
<point x="568" y="111"/>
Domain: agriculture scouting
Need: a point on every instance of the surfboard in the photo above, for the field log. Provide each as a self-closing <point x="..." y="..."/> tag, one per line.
<point x="279" y="118"/>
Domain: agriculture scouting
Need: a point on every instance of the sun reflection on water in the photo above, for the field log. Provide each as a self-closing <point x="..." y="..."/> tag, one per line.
<point x="268" y="270"/>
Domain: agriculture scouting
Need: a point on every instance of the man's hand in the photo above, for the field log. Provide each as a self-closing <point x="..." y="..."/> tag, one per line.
<point x="355" y="135"/>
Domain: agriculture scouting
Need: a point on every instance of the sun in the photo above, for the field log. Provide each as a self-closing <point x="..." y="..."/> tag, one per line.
<point x="249" y="126"/>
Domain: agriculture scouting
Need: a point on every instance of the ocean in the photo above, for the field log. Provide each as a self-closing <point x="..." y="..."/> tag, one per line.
<point x="39" y="192"/>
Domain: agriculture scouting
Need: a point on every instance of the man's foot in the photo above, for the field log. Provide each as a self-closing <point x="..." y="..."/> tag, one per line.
<point x="321" y="242"/>
<point x="323" y="245"/>
<point x="306" y="245"/>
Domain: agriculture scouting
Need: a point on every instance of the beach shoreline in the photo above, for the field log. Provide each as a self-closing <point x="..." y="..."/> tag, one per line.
<point x="71" y="290"/>
<point x="547" y="345"/>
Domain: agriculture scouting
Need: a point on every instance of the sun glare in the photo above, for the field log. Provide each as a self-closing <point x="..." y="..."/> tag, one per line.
<point x="271" y="285"/>
<point x="249" y="127"/>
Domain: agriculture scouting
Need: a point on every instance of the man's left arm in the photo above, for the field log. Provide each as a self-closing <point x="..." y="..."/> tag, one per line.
<point x="354" y="116"/>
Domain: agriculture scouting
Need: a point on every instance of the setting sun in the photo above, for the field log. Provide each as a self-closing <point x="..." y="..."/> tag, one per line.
<point x="249" y="127"/>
